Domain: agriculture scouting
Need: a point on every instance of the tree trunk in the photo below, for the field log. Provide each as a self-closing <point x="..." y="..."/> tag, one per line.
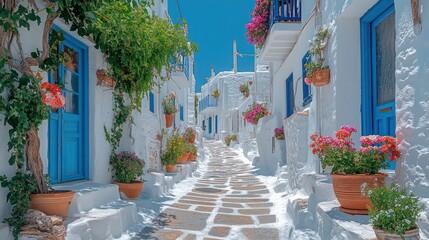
<point x="34" y="160"/>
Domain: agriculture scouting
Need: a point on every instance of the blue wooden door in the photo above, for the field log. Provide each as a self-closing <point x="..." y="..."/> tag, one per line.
<point x="216" y="124"/>
<point x="289" y="96"/>
<point x="68" y="131"/>
<point x="210" y="125"/>
<point x="378" y="76"/>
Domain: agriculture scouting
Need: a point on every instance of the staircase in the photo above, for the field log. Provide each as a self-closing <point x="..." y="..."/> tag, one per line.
<point x="97" y="212"/>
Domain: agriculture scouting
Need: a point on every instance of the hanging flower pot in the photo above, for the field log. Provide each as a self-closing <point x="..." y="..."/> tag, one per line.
<point x="348" y="190"/>
<point x="53" y="203"/>
<point x="321" y="77"/>
<point x="169" y="120"/>
<point x="246" y="95"/>
<point x="104" y="79"/>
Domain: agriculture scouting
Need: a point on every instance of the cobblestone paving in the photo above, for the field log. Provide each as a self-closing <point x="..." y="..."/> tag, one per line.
<point x="227" y="202"/>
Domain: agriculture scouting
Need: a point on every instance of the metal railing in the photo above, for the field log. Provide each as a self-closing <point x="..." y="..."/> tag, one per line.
<point x="206" y="102"/>
<point x="285" y="11"/>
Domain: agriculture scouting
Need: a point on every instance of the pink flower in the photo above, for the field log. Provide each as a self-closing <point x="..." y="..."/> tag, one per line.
<point x="308" y="81"/>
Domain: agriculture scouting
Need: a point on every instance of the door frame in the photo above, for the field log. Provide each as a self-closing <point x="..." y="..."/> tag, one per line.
<point x="381" y="8"/>
<point x="85" y="113"/>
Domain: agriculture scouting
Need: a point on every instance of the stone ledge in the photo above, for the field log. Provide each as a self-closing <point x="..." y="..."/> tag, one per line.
<point x="334" y="224"/>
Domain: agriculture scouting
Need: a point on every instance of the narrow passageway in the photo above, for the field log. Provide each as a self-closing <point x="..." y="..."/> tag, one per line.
<point x="227" y="202"/>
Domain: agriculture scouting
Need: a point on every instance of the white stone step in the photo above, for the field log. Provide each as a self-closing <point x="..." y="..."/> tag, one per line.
<point x="89" y="195"/>
<point x="109" y="221"/>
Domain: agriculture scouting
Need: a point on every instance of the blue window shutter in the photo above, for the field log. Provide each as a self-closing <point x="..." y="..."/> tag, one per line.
<point x="151" y="102"/>
<point x="289" y="96"/>
<point x="181" y="112"/>
<point x="306" y="89"/>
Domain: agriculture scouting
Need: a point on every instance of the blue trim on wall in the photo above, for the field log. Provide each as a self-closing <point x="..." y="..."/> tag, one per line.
<point x="306" y="89"/>
<point x="216" y="124"/>
<point x="181" y="112"/>
<point x="152" y="102"/>
<point x="289" y="96"/>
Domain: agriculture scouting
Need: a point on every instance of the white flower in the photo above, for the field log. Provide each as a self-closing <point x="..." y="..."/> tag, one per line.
<point x="407" y="221"/>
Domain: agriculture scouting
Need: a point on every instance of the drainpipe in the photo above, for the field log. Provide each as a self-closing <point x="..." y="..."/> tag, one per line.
<point x="318" y="122"/>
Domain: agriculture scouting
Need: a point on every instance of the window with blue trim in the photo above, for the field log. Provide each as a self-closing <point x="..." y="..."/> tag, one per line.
<point x="181" y="112"/>
<point x="307" y="97"/>
<point x="289" y="96"/>
<point x="151" y="102"/>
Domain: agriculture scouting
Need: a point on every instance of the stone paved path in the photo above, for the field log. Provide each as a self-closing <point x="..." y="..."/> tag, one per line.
<point x="227" y="202"/>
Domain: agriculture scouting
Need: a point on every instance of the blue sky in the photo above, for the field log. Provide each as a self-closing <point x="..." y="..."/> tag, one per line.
<point x="213" y="25"/>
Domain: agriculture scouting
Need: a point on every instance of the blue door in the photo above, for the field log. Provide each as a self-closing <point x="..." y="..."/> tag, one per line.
<point x="68" y="127"/>
<point x="289" y="96"/>
<point x="378" y="70"/>
<point x="210" y="125"/>
<point x="216" y="124"/>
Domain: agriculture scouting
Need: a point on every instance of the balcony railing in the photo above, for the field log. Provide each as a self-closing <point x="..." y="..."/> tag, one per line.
<point x="182" y="65"/>
<point x="206" y="102"/>
<point x="285" y="11"/>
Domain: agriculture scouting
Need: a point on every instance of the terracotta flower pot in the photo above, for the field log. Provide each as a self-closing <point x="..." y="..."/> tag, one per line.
<point x="412" y="234"/>
<point x="192" y="139"/>
<point x="53" y="203"/>
<point x="192" y="157"/>
<point x="104" y="79"/>
<point x="183" y="159"/>
<point x="348" y="191"/>
<point x="321" y="77"/>
<point x="130" y="190"/>
<point x="246" y="95"/>
<point x="170" y="168"/>
<point x="169" y="120"/>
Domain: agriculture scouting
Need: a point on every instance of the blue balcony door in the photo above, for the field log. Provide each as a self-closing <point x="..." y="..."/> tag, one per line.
<point x="216" y="124"/>
<point x="68" y="127"/>
<point x="289" y="96"/>
<point x="378" y="70"/>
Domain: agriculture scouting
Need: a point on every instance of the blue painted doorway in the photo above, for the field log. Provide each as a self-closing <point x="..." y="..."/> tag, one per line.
<point x="378" y="35"/>
<point x="210" y="125"/>
<point x="68" y="126"/>
<point x="289" y="96"/>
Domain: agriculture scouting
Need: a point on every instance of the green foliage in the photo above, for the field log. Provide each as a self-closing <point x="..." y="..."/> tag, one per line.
<point x="317" y="46"/>
<point x="127" y="167"/>
<point x="394" y="210"/>
<point x="22" y="108"/>
<point x="21" y="17"/>
<point x="122" y="113"/>
<point x="20" y="188"/>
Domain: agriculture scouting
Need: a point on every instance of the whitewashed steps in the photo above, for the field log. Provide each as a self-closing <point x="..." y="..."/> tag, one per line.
<point x="105" y="222"/>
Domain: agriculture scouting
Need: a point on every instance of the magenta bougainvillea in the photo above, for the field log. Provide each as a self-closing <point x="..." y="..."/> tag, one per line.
<point x="257" y="29"/>
<point x="255" y="112"/>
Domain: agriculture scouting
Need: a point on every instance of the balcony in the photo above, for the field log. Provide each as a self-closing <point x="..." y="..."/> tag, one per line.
<point x="207" y="104"/>
<point x="180" y="72"/>
<point x="285" y="27"/>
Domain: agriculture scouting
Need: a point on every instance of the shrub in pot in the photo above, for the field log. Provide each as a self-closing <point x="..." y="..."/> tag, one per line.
<point x="183" y="144"/>
<point x="394" y="213"/>
<point x="318" y="74"/>
<point x="352" y="168"/>
<point x="193" y="152"/>
<point x="255" y="112"/>
<point x="190" y="134"/>
<point x="169" y="109"/>
<point x="127" y="170"/>
<point x="279" y="133"/>
<point x="174" y="149"/>
<point x="244" y="89"/>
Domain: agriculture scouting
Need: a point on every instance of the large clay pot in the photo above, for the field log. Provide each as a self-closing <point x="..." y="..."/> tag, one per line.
<point x="130" y="190"/>
<point x="192" y="157"/>
<point x="321" y="77"/>
<point x="170" y="168"/>
<point x="246" y="95"/>
<point x="348" y="191"/>
<point x="412" y="234"/>
<point x="192" y="139"/>
<point x="54" y="203"/>
<point x="169" y="120"/>
<point x="183" y="159"/>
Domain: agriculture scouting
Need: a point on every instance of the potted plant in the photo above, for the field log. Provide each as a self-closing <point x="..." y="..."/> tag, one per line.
<point x="193" y="153"/>
<point x="244" y="89"/>
<point x="215" y="93"/>
<point x="279" y="133"/>
<point x="257" y="29"/>
<point x="169" y="108"/>
<point x="255" y="112"/>
<point x="394" y="213"/>
<point x="104" y="79"/>
<point x="318" y="74"/>
<point x="127" y="170"/>
<point x="183" y="144"/>
<point x="228" y="139"/>
<point x="190" y="134"/>
<point x="352" y="168"/>
<point x="174" y="149"/>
